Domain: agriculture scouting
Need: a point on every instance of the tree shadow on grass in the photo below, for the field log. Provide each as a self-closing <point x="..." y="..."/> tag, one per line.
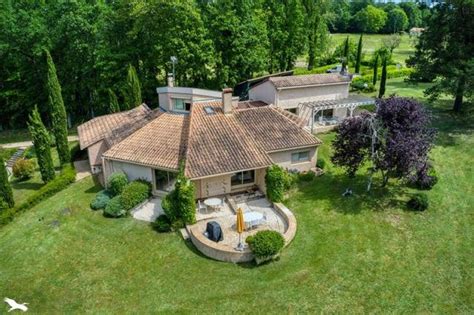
<point x="328" y="189"/>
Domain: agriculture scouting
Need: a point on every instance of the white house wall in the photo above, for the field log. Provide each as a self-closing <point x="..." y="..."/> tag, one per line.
<point x="290" y="98"/>
<point x="263" y="92"/>
<point x="283" y="158"/>
<point x="133" y="171"/>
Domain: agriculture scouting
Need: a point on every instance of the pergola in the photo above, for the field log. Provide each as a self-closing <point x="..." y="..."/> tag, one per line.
<point x="352" y="102"/>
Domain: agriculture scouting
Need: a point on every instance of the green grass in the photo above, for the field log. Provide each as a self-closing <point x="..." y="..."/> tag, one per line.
<point x="372" y="42"/>
<point x="20" y="135"/>
<point x="350" y="255"/>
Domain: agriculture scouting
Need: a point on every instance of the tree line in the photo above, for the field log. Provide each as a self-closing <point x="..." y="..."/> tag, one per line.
<point x="95" y="45"/>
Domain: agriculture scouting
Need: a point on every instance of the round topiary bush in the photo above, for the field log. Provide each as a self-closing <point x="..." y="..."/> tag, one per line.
<point x="162" y="224"/>
<point x="101" y="200"/>
<point x="24" y="169"/>
<point x="115" y="208"/>
<point x="135" y="193"/>
<point x="266" y="244"/>
<point x="419" y="202"/>
<point x="321" y="163"/>
<point x="116" y="183"/>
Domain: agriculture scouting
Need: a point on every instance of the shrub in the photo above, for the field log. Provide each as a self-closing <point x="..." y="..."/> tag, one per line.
<point x="266" y="243"/>
<point x="116" y="183"/>
<point x="321" y="163"/>
<point x="66" y="177"/>
<point x="277" y="181"/>
<point x="162" y="224"/>
<point x="134" y="193"/>
<point x="101" y="200"/>
<point x="307" y="176"/>
<point x="179" y="204"/>
<point x="419" y="202"/>
<point x="24" y="169"/>
<point x="115" y="208"/>
<point x="30" y="152"/>
<point x="362" y="84"/>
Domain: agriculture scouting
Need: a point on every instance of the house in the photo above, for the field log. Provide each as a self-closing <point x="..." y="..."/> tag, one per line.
<point x="322" y="100"/>
<point x="226" y="146"/>
<point x="101" y="133"/>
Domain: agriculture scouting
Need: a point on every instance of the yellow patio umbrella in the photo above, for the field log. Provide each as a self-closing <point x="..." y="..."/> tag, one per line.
<point x="240" y="227"/>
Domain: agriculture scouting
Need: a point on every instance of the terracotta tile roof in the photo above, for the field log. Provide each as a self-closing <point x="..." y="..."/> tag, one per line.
<point x="217" y="144"/>
<point x="308" y="79"/>
<point x="250" y="104"/>
<point x="274" y="130"/>
<point x="161" y="143"/>
<point x="105" y="126"/>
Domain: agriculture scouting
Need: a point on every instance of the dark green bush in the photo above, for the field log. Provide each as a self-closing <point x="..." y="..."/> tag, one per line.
<point x="277" y="181"/>
<point x="179" y="204"/>
<point x="419" y="202"/>
<point x="116" y="183"/>
<point x="135" y="193"/>
<point x="307" y="176"/>
<point x="24" y="169"/>
<point x="65" y="178"/>
<point x="266" y="243"/>
<point x="162" y="224"/>
<point x="362" y="84"/>
<point x="101" y="200"/>
<point x="321" y="163"/>
<point x="30" y="152"/>
<point x="115" y="208"/>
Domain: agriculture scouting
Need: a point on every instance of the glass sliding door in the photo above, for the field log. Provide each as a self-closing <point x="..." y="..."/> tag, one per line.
<point x="164" y="180"/>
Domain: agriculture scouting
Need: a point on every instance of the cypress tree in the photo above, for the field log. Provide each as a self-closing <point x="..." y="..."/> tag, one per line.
<point x="359" y="55"/>
<point x="383" y="79"/>
<point x="57" y="111"/>
<point x="113" y="102"/>
<point x="42" y="144"/>
<point x="133" y="93"/>
<point x="376" y="64"/>
<point x="345" y="60"/>
<point x="6" y="192"/>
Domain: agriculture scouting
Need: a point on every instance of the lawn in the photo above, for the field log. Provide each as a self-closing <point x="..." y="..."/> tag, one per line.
<point x="20" y="135"/>
<point x="350" y="255"/>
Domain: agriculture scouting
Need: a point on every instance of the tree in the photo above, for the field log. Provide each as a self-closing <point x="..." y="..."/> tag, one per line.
<point x="345" y="58"/>
<point x="445" y="52"/>
<point x="375" y="69"/>
<point x="396" y="140"/>
<point x="370" y="19"/>
<point x="359" y="55"/>
<point x="179" y="204"/>
<point x="316" y="27"/>
<point x="6" y="192"/>
<point x="132" y="93"/>
<point x="57" y="111"/>
<point x="42" y="145"/>
<point x="391" y="42"/>
<point x="383" y="79"/>
<point x="340" y="17"/>
<point x="113" y="102"/>
<point x="413" y="13"/>
<point x="397" y="20"/>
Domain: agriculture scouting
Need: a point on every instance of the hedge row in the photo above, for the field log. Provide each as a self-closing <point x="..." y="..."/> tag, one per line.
<point x="391" y="74"/>
<point x="65" y="178"/>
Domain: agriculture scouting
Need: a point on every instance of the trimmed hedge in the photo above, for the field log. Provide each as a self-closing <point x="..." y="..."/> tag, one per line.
<point x="419" y="202"/>
<point x="115" y="208"/>
<point x="23" y="169"/>
<point x="135" y="193"/>
<point x="101" y="200"/>
<point x="116" y="183"/>
<point x="278" y="182"/>
<point x="321" y="163"/>
<point x="65" y="178"/>
<point x="266" y="243"/>
<point x="162" y="224"/>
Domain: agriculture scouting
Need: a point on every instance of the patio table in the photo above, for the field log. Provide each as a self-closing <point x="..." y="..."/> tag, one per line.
<point x="252" y="219"/>
<point x="213" y="203"/>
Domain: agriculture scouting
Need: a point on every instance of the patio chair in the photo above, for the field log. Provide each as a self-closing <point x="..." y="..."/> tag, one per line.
<point x="201" y="207"/>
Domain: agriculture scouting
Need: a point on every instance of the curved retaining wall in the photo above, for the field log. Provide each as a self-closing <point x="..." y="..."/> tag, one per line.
<point x="228" y="253"/>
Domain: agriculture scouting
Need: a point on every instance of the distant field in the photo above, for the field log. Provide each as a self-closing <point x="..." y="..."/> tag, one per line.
<point x="371" y="42"/>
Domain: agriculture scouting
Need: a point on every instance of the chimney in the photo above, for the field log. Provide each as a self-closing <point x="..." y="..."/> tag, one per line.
<point x="170" y="80"/>
<point x="227" y="100"/>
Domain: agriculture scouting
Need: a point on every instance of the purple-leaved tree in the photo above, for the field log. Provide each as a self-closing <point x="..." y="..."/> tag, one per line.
<point x="396" y="140"/>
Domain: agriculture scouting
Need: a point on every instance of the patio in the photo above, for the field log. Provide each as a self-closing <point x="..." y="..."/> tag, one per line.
<point x="275" y="217"/>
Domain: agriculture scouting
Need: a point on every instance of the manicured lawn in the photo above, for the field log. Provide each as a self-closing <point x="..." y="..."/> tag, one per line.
<point x="20" y="135"/>
<point x="350" y="255"/>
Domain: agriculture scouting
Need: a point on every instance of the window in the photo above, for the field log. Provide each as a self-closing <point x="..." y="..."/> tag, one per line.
<point x="181" y="104"/>
<point x="164" y="180"/>
<point x="243" y="178"/>
<point x="299" y="157"/>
